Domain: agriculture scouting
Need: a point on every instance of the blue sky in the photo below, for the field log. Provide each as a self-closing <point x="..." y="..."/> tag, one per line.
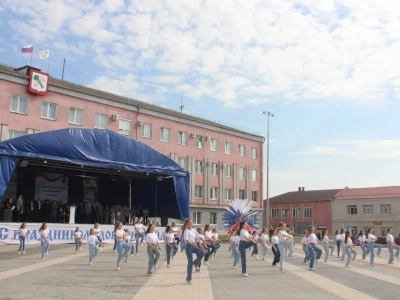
<point x="329" y="71"/>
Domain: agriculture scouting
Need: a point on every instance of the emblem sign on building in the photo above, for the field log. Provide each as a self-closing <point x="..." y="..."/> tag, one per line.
<point x="38" y="82"/>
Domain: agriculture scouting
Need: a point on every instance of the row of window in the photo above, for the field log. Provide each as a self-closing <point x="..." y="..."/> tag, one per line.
<point x="197" y="218"/>
<point x="49" y="111"/>
<point x="215" y="169"/>
<point x="228" y="195"/>
<point x="307" y="212"/>
<point x="385" y="209"/>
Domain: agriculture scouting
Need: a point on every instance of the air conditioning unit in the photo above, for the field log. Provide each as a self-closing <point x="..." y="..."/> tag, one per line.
<point x="193" y="135"/>
<point x="114" y="117"/>
<point x="140" y="123"/>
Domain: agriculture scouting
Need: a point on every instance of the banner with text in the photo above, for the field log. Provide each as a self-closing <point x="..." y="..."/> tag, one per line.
<point x="61" y="233"/>
<point x="51" y="186"/>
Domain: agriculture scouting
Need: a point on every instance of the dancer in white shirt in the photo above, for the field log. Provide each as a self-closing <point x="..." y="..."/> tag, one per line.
<point x="78" y="240"/>
<point x="22" y="234"/>
<point x="264" y="241"/>
<point x="363" y="239"/>
<point x="217" y="242"/>
<point x="312" y="246"/>
<point x="282" y="236"/>
<point x="326" y="241"/>
<point x="93" y="248"/>
<point x="304" y="244"/>
<point x="289" y="244"/>
<point x="391" y="246"/>
<point x="170" y="245"/>
<point x="44" y="239"/>
<point x="98" y="232"/>
<point x="120" y="235"/>
<point x="126" y="246"/>
<point x="153" y="248"/>
<point x="337" y="240"/>
<point x="246" y="241"/>
<point x="234" y="242"/>
<point x="139" y="234"/>
<point x="342" y="243"/>
<point x="349" y="249"/>
<point x="371" y="238"/>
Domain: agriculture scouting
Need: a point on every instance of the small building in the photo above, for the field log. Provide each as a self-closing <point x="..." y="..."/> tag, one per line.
<point x="361" y="208"/>
<point x="302" y="208"/>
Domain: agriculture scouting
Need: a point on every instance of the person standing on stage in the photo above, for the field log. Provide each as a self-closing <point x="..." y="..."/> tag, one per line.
<point x="20" y="208"/>
<point x="145" y="214"/>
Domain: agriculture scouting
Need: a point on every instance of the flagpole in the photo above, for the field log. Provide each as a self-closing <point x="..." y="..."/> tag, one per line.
<point x="48" y="65"/>
<point x="31" y="57"/>
<point x="62" y="77"/>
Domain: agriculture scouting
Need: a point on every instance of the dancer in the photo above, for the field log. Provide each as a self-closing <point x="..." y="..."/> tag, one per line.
<point x="371" y="245"/>
<point x="234" y="243"/>
<point x="22" y="234"/>
<point x="274" y="245"/>
<point x="183" y="244"/>
<point x="304" y="244"/>
<point x="337" y="240"/>
<point x="169" y="244"/>
<point x="312" y="247"/>
<point x="115" y="237"/>
<point x="93" y="248"/>
<point x="98" y="232"/>
<point x="119" y="238"/>
<point x="139" y="234"/>
<point x="78" y="240"/>
<point x="362" y="239"/>
<point x="282" y="236"/>
<point x="255" y="237"/>
<point x="349" y="249"/>
<point x="342" y="243"/>
<point x="327" y="246"/>
<point x="153" y="248"/>
<point x="209" y="243"/>
<point x="176" y="231"/>
<point x="289" y="244"/>
<point x="264" y="242"/>
<point x="126" y="246"/>
<point x="189" y="236"/>
<point x="202" y="243"/>
<point x="44" y="239"/>
<point x="217" y="242"/>
<point x="246" y="241"/>
<point x="391" y="245"/>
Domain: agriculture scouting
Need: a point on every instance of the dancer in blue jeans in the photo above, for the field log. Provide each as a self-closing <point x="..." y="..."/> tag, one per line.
<point x="93" y="249"/>
<point x="189" y="237"/>
<point x="119" y="237"/>
<point x="139" y="234"/>
<point x="274" y="245"/>
<point x="44" y="239"/>
<point x="282" y="236"/>
<point x="22" y="234"/>
<point x="371" y="245"/>
<point x="312" y="246"/>
<point x="246" y="241"/>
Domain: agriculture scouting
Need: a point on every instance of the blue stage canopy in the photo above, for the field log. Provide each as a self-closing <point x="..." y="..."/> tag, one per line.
<point x="103" y="149"/>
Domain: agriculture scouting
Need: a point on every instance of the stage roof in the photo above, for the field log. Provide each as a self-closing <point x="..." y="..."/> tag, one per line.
<point x="102" y="149"/>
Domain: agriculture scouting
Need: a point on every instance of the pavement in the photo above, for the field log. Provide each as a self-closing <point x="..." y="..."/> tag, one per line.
<point x="66" y="275"/>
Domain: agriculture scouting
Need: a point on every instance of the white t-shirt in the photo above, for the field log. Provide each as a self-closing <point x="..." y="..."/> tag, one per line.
<point x="337" y="237"/>
<point x="22" y="232"/>
<point x="389" y="238"/>
<point x="119" y="233"/>
<point x="78" y="235"/>
<point x="151" y="238"/>
<point x="325" y="239"/>
<point x="208" y="234"/>
<point x="349" y="242"/>
<point x="92" y="239"/>
<point x="44" y="233"/>
<point x="139" y="227"/>
<point x="175" y="230"/>
<point x="264" y="238"/>
<point x="304" y="240"/>
<point x="169" y="237"/>
<point x="274" y="239"/>
<point x="215" y="236"/>
<point x="342" y="236"/>
<point x="198" y="239"/>
<point x="362" y="238"/>
<point x="312" y="238"/>
<point x="190" y="235"/>
<point x="97" y="231"/>
<point x="371" y="238"/>
<point x="243" y="234"/>
<point x="281" y="237"/>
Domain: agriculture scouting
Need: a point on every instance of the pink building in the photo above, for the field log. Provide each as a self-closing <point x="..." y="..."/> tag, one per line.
<point x="225" y="163"/>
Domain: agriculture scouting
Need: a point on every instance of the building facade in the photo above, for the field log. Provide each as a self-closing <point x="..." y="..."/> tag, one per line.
<point x="361" y="208"/>
<point x="225" y="163"/>
<point x="302" y="208"/>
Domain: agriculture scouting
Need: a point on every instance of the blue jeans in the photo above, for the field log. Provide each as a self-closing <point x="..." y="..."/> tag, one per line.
<point x="153" y="258"/>
<point x="338" y="247"/>
<point x="307" y="257"/>
<point x="78" y="244"/>
<point x="211" y="249"/>
<point x="235" y="255"/>
<point x="139" y="239"/>
<point x="255" y="249"/>
<point x="311" y="252"/>
<point x="183" y="244"/>
<point x="126" y="247"/>
<point x="264" y="249"/>
<point x="217" y="245"/>
<point x="120" y="249"/>
<point x="21" y="243"/>
<point x="364" y="248"/>
<point x="93" y="250"/>
<point x="371" y="246"/>
<point x="168" y="250"/>
<point x="45" y="244"/>
<point x="379" y="247"/>
<point x="243" y="245"/>
<point x="276" y="253"/>
<point x="343" y="247"/>
<point x="391" y="254"/>
<point x="189" y="254"/>
<point x="348" y="253"/>
<point x="281" y="247"/>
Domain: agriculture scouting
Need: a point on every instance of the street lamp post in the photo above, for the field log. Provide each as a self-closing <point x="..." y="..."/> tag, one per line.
<point x="269" y="114"/>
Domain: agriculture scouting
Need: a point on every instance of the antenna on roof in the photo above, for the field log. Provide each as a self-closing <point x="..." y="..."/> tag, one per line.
<point x="182" y="106"/>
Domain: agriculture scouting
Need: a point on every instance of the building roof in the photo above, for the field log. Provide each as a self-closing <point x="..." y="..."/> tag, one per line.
<point x="125" y="100"/>
<point x="304" y="196"/>
<point x="369" y="193"/>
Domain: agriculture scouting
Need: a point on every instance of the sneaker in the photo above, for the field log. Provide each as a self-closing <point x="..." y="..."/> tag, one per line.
<point x="168" y="266"/>
<point x="80" y="249"/>
<point x="47" y="253"/>
<point x="245" y="275"/>
<point x="76" y="252"/>
<point x="197" y="269"/>
<point x="23" y="252"/>
<point x="392" y="263"/>
<point x="118" y="269"/>
<point x="188" y="282"/>
<point x="347" y="266"/>
<point x="282" y="270"/>
<point x="19" y="252"/>
<point x="257" y="257"/>
<point x="156" y="266"/>
<point x="149" y="274"/>
<point x="317" y="260"/>
<point x="137" y="254"/>
<point x="206" y="262"/>
<point x="132" y="255"/>
<point x="372" y="265"/>
<point x="90" y="263"/>
<point x="234" y="267"/>
<point x="305" y="263"/>
<point x="312" y="269"/>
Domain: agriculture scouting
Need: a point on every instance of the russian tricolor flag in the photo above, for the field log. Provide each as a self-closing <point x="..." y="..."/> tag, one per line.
<point x="27" y="49"/>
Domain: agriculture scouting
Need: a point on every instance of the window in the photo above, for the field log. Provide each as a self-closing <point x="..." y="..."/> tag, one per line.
<point x="49" y="110"/>
<point x="386" y="209"/>
<point x="253" y="153"/>
<point x="242" y="173"/>
<point x="228" y="194"/>
<point x="214" y="169"/>
<point x="351" y="209"/>
<point x="145" y="131"/>
<point x="214" y="145"/>
<point x="368" y="209"/>
<point x="14" y="134"/>
<point x="228" y="171"/>
<point x="307" y="212"/>
<point x="100" y="121"/>
<point x="242" y="194"/>
<point x="32" y="131"/>
<point x="182" y="162"/>
<point x="228" y="148"/>
<point x="296" y="212"/>
<point x="213" y="218"/>
<point x="254" y="196"/>
<point x="75" y="116"/>
<point x="199" y="141"/>
<point x="182" y="138"/>
<point x="285" y="213"/>
<point x="214" y="193"/>
<point x="198" y="191"/>
<point x="198" y="168"/>
<point x="275" y="213"/>
<point x="164" y="135"/>
<point x="19" y="105"/>
<point x="124" y="127"/>
<point x="254" y="175"/>
<point x="196" y="217"/>
<point x="242" y="150"/>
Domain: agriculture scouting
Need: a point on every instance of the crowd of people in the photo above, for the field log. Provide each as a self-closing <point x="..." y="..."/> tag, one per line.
<point x="51" y="211"/>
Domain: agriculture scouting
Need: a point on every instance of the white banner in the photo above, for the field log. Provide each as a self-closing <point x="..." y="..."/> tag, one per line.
<point x="61" y="233"/>
<point x="51" y="186"/>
